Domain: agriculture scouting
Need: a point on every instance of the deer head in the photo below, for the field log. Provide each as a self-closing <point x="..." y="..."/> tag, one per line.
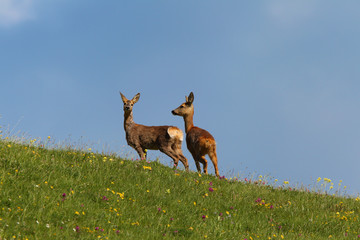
<point x="128" y="104"/>
<point x="187" y="108"/>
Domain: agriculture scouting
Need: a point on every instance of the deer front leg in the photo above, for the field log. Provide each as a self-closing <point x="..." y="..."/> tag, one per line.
<point x="141" y="152"/>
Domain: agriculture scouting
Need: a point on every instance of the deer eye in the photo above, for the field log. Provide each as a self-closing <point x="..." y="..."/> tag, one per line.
<point x="181" y="106"/>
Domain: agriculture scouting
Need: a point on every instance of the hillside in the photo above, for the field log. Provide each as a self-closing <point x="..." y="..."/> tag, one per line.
<point x="72" y="194"/>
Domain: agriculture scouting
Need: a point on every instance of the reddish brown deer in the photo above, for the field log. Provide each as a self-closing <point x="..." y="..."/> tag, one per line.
<point x="167" y="139"/>
<point x="199" y="141"/>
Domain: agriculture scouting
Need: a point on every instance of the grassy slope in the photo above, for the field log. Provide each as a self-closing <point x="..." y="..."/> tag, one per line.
<point x="69" y="194"/>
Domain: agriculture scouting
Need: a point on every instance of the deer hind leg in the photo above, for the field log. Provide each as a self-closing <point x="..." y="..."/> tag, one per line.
<point x="197" y="163"/>
<point x="200" y="159"/>
<point x="184" y="161"/>
<point x="170" y="152"/>
<point x="204" y="162"/>
<point x="213" y="157"/>
<point x="177" y="149"/>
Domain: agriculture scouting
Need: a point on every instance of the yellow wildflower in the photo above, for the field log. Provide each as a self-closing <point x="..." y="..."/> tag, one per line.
<point x="147" y="168"/>
<point x="121" y="195"/>
<point x="327" y="180"/>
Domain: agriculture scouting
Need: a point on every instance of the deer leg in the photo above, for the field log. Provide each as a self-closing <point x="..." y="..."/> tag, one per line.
<point x="213" y="157"/>
<point x="170" y="152"/>
<point x="204" y="162"/>
<point x="141" y="152"/>
<point x="184" y="161"/>
<point x="198" y="166"/>
<point x="196" y="162"/>
<point x="179" y="154"/>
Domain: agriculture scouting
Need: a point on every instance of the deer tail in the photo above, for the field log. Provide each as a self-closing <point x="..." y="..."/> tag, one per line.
<point x="175" y="133"/>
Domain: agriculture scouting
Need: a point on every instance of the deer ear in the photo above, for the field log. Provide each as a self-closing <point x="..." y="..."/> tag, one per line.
<point x="190" y="99"/>
<point x="136" y="98"/>
<point x="124" y="99"/>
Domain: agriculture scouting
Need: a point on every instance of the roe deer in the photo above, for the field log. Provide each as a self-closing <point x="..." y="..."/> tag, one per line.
<point x="199" y="141"/>
<point x="167" y="139"/>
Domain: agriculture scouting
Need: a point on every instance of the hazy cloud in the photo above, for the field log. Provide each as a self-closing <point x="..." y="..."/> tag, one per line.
<point x="287" y="13"/>
<point x="15" y="11"/>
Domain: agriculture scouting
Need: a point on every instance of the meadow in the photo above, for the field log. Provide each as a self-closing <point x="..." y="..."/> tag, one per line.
<point x="64" y="192"/>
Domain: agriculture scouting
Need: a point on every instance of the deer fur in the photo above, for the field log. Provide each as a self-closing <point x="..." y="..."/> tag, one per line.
<point x="199" y="141"/>
<point x="167" y="139"/>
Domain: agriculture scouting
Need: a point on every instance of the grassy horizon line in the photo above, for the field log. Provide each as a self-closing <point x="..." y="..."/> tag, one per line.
<point x="68" y="193"/>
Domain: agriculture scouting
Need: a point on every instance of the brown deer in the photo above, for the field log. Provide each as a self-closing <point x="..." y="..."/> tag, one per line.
<point x="199" y="141"/>
<point x="167" y="139"/>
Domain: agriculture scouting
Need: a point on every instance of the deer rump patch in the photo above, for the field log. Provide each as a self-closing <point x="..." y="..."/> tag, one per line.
<point x="176" y="133"/>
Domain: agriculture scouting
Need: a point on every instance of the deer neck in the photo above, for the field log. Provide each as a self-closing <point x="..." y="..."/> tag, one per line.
<point x="128" y="120"/>
<point x="189" y="123"/>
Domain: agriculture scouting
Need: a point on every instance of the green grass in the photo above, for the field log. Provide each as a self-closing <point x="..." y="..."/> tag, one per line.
<point x="73" y="194"/>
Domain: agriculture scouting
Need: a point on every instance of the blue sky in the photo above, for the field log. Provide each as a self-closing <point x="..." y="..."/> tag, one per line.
<point x="275" y="82"/>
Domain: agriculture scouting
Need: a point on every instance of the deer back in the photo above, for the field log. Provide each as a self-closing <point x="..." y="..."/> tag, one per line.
<point x="152" y="137"/>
